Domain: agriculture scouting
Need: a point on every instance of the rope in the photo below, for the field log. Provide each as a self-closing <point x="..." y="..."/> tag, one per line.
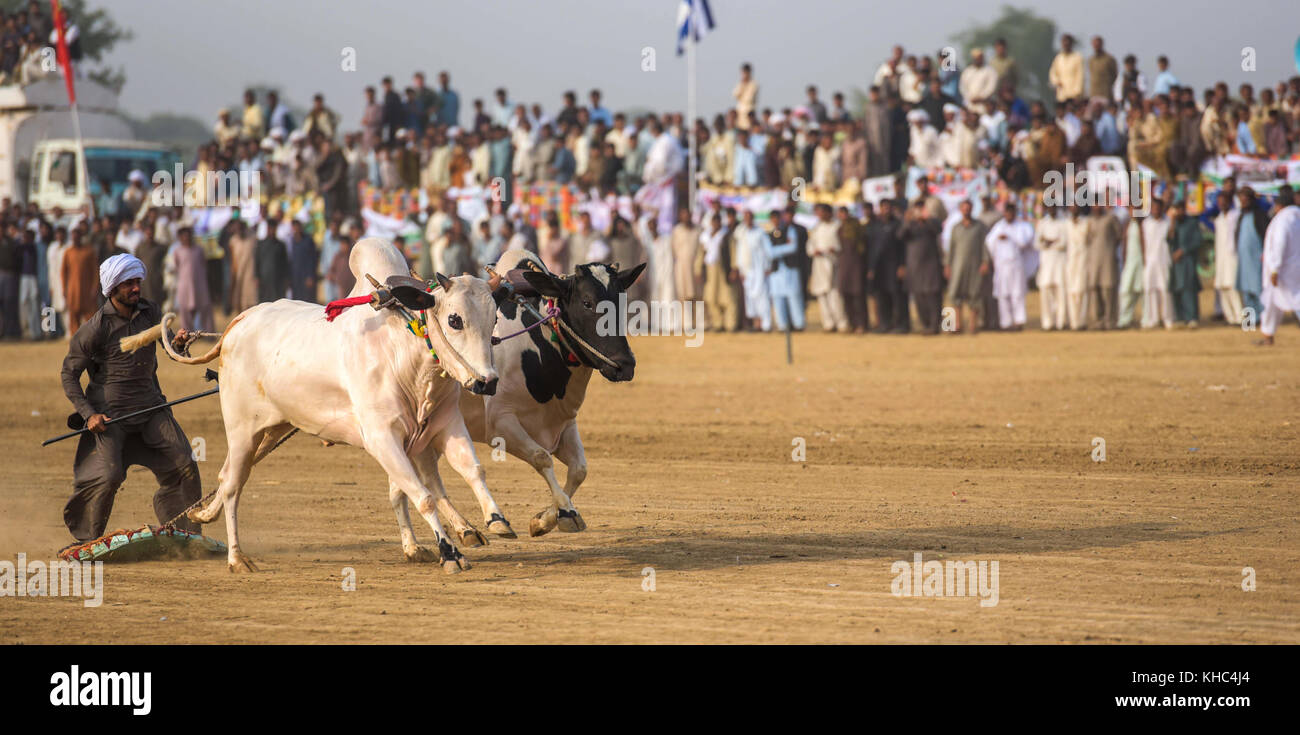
<point x="204" y="500"/>
<point x="551" y="313"/>
<point x="568" y="330"/>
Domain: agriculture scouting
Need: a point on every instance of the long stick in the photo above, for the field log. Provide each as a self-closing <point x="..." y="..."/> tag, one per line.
<point x="141" y="412"/>
<point x="789" y="346"/>
<point x="81" y="147"/>
<point x="689" y="123"/>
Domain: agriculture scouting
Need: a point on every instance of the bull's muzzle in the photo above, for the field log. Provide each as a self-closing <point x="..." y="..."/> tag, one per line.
<point x="484" y="387"/>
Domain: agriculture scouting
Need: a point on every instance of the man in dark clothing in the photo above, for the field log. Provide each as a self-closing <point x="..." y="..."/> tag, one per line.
<point x="884" y="260"/>
<point x="901" y="138"/>
<point x="332" y="172"/>
<point x="878" y="132"/>
<point x="271" y="259"/>
<point x="303" y="260"/>
<point x="801" y="259"/>
<point x="154" y="257"/>
<point x="121" y="383"/>
<point x="394" y="111"/>
<point x="11" y="265"/>
<point x="1184" y="240"/>
<point x="851" y="269"/>
<point x="934" y="100"/>
<point x="922" y="266"/>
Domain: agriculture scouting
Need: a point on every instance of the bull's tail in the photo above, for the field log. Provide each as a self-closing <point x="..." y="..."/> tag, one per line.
<point x="159" y="332"/>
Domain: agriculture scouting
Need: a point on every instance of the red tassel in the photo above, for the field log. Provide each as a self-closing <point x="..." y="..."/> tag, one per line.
<point x="334" y="308"/>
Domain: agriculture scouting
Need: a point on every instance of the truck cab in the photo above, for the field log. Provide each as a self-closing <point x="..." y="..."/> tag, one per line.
<point x="55" y="177"/>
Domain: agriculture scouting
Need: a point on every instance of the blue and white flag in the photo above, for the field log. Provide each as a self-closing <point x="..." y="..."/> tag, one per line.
<point x="694" y="19"/>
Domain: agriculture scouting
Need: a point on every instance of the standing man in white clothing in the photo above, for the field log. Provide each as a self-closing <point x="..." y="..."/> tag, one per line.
<point x="1225" y="259"/>
<point x="1281" y="265"/>
<point x="1156" y="262"/>
<point x="758" y="304"/>
<point x="1007" y="242"/>
<point x="824" y="249"/>
<point x="1130" y="278"/>
<point x="1076" y="267"/>
<point x="1049" y="240"/>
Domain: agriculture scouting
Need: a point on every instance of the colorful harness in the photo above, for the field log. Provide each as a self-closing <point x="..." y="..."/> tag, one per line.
<point x="381" y="298"/>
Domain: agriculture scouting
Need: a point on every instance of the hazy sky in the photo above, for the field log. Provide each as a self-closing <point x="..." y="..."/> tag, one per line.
<point x="193" y="57"/>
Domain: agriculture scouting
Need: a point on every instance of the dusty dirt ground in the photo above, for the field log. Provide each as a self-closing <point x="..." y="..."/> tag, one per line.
<point x="957" y="447"/>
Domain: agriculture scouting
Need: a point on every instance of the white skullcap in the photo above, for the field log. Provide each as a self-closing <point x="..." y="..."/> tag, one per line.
<point x="918" y="115"/>
<point x="117" y="269"/>
<point x="950" y="107"/>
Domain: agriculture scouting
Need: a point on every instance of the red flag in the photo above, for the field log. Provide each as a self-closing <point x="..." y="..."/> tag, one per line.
<point x="62" y="47"/>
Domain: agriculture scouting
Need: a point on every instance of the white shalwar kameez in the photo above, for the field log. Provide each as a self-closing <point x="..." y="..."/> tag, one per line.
<point x="1281" y="257"/>
<point x="1007" y="243"/>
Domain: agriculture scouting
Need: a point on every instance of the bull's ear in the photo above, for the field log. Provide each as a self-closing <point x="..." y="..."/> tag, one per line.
<point x="625" y="279"/>
<point x="443" y="281"/>
<point x="546" y="284"/>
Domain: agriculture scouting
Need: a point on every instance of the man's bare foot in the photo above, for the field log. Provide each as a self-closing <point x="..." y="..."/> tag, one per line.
<point x="1266" y="341"/>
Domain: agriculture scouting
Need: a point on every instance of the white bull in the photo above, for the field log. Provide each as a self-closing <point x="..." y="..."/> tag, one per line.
<point x="365" y="380"/>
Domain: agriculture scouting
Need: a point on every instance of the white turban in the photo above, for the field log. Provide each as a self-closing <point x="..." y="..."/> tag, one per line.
<point x="119" y="268"/>
<point x="951" y="109"/>
<point x="918" y="115"/>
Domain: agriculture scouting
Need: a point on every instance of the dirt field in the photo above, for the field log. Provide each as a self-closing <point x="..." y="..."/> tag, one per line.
<point x="971" y="449"/>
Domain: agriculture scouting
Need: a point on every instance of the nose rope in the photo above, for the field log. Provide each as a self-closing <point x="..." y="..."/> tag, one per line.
<point x="567" y="329"/>
<point x="449" y="348"/>
<point x="551" y="313"/>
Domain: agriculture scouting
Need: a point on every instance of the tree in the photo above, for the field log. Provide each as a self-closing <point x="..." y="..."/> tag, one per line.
<point x="99" y="34"/>
<point x="1031" y="41"/>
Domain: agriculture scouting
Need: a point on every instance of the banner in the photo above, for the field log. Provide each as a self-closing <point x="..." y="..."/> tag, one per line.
<point x="1258" y="173"/>
<point x="880" y="188"/>
<point x="535" y="200"/>
<point x="952" y="185"/>
<point x="393" y="203"/>
<point x="308" y="209"/>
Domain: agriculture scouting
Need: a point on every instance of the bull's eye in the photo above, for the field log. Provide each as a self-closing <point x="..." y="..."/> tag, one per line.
<point x="454" y="321"/>
<point x="588" y="304"/>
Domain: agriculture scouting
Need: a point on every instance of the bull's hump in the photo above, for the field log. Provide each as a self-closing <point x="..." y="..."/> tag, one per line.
<point x="377" y="257"/>
<point x="517" y="258"/>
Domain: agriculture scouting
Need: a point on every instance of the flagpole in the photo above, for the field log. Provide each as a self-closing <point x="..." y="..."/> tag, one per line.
<point x="689" y="124"/>
<point x="60" y="22"/>
<point x="81" y="150"/>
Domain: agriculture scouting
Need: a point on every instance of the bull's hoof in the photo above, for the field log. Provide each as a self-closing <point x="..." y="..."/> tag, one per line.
<point x="471" y="537"/>
<point x="501" y="527"/>
<point x="453" y="562"/>
<point x="195" y="515"/>
<point x="238" y="563"/>
<point x="420" y="555"/>
<point x="569" y="521"/>
<point x="542" y="523"/>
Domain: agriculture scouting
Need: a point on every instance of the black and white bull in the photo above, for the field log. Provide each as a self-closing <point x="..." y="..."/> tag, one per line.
<point x="545" y="372"/>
